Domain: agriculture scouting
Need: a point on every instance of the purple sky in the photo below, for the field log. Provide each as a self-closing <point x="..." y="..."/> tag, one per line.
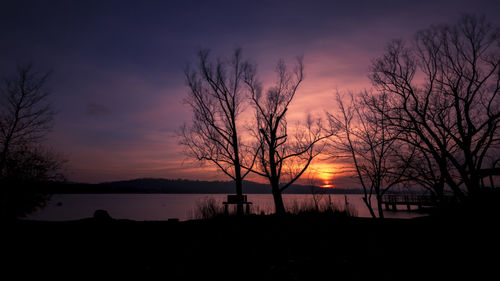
<point x="118" y="66"/>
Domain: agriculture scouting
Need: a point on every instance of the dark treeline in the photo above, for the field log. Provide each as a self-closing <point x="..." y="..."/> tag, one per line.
<point x="179" y="186"/>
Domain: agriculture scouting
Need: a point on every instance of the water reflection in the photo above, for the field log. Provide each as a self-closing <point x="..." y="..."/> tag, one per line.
<point x="141" y="207"/>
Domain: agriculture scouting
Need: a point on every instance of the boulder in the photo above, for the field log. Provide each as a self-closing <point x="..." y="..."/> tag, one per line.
<point x="102" y="215"/>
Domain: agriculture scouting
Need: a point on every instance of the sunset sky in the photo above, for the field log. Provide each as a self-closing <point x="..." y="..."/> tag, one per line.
<point x="118" y="83"/>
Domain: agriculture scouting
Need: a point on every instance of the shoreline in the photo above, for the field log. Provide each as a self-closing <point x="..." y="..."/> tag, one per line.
<point x="186" y="206"/>
<point x="292" y="247"/>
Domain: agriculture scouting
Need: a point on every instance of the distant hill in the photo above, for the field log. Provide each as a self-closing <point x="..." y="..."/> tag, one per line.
<point x="180" y="186"/>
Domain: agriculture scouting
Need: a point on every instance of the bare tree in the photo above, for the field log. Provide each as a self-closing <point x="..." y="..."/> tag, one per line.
<point x="278" y="153"/>
<point x="423" y="171"/>
<point x="216" y="97"/>
<point x="444" y="90"/>
<point x="366" y="137"/>
<point x="25" y="118"/>
<point x="25" y="112"/>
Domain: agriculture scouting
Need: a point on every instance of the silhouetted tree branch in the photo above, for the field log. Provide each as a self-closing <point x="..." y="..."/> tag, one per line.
<point x="26" y="117"/>
<point x="365" y="135"/>
<point x="444" y="97"/>
<point x="279" y="153"/>
<point x="217" y="94"/>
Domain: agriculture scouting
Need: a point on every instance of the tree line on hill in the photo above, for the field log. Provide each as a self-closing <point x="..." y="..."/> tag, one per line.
<point x="182" y="186"/>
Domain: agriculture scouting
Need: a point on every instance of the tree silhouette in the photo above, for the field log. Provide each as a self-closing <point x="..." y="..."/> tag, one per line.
<point x="216" y="97"/>
<point x="365" y="136"/>
<point x="443" y="90"/>
<point x="278" y="153"/>
<point x="26" y="117"/>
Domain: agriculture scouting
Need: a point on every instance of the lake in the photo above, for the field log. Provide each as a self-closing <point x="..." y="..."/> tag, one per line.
<point x="154" y="207"/>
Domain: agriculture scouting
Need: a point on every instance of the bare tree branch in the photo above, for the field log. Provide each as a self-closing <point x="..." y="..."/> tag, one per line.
<point x="216" y="96"/>
<point x="277" y="150"/>
<point x="451" y="113"/>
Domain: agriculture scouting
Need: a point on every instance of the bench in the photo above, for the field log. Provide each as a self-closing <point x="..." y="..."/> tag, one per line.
<point x="234" y="199"/>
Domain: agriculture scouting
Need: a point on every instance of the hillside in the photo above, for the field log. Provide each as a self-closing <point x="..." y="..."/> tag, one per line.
<point x="180" y="186"/>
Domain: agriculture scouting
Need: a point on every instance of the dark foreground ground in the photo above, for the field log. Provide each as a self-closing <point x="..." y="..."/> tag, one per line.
<point x="302" y="247"/>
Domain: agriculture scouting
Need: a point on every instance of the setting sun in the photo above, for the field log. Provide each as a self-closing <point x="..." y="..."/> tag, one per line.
<point x="327" y="185"/>
<point x="324" y="174"/>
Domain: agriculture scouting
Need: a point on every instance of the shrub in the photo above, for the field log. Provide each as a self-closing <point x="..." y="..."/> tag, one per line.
<point x="208" y="208"/>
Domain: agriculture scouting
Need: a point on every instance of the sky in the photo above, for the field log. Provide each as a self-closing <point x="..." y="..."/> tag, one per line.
<point x="117" y="67"/>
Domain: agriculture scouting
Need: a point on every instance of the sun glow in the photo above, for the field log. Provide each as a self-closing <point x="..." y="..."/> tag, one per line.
<point x="324" y="174"/>
<point x="327" y="182"/>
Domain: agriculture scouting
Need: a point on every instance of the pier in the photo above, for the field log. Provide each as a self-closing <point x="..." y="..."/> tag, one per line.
<point x="391" y="201"/>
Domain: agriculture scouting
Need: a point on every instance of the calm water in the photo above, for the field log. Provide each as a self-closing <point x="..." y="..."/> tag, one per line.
<point x="182" y="206"/>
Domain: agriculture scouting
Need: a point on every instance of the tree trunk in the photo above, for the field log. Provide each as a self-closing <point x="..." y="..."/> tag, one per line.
<point x="278" y="200"/>
<point x="239" y="192"/>
<point x="474" y="187"/>
<point x="369" y="206"/>
<point x="3" y="158"/>
<point x="439" y="188"/>
<point x="237" y="168"/>
<point x="379" y="207"/>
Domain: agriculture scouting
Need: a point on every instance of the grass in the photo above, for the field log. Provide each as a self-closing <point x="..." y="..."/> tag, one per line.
<point x="322" y="205"/>
<point x="208" y="208"/>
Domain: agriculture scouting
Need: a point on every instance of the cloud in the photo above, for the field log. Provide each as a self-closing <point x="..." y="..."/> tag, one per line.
<point x="94" y="109"/>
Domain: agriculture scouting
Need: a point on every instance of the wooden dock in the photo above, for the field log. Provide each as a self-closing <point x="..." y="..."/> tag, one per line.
<point x="391" y="201"/>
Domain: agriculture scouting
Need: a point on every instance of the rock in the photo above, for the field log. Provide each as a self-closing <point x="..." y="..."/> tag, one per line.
<point x="102" y="215"/>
